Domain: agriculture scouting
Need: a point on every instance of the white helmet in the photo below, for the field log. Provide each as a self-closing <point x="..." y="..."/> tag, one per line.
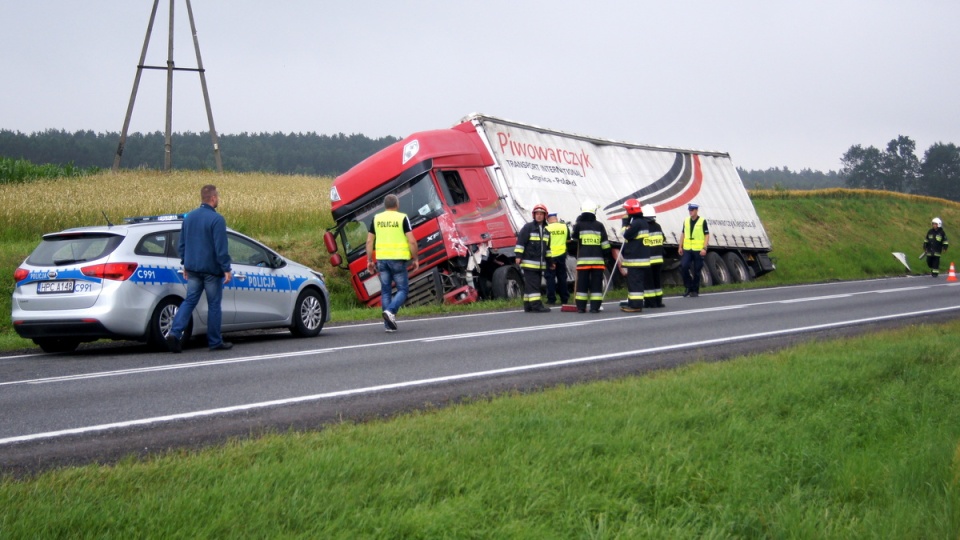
<point x="938" y="222"/>
<point x="588" y="206"/>
<point x="648" y="211"/>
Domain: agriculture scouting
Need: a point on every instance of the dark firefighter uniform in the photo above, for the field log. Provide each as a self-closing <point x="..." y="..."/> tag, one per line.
<point x="935" y="244"/>
<point x="533" y="245"/>
<point x="653" y="289"/>
<point x="592" y="246"/>
<point x="636" y="259"/>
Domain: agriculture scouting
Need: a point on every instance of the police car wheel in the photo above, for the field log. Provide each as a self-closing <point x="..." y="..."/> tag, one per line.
<point x="308" y="314"/>
<point x="57" y="345"/>
<point x="162" y="321"/>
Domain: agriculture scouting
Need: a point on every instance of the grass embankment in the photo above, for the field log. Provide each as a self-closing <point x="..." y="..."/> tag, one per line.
<point x="855" y="438"/>
<point x="817" y="236"/>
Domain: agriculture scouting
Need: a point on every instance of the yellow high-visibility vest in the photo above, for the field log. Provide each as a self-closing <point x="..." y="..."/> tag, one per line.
<point x="558" y="238"/>
<point x="391" y="242"/>
<point x="693" y="237"/>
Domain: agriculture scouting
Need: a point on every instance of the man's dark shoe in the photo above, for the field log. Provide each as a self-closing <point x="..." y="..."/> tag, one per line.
<point x="686" y="293"/>
<point x="173" y="344"/>
<point x="223" y="346"/>
<point x="694" y="294"/>
<point x="540" y="309"/>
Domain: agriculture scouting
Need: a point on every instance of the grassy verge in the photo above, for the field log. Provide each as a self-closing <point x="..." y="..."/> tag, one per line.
<point x="855" y="438"/>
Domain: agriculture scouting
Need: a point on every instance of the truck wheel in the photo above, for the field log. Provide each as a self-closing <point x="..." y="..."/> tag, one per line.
<point x="57" y="345"/>
<point x="507" y="283"/>
<point x="738" y="269"/>
<point x="162" y="321"/>
<point x="718" y="268"/>
<point x="308" y="315"/>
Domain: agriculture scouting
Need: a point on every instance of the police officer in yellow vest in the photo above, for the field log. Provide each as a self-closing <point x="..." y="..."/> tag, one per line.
<point x="693" y="248"/>
<point x="556" y="273"/>
<point x="390" y="247"/>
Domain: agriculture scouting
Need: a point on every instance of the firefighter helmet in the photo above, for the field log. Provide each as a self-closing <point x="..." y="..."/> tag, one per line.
<point x="937" y="221"/>
<point x="539" y="208"/>
<point x="588" y="207"/>
<point x="632" y="206"/>
<point x="649" y="211"/>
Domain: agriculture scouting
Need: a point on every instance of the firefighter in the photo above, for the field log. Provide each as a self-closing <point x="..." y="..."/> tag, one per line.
<point x="557" y="261"/>
<point x="592" y="246"/>
<point x="636" y="255"/>
<point x="533" y="246"/>
<point x="653" y="288"/>
<point x="935" y="244"/>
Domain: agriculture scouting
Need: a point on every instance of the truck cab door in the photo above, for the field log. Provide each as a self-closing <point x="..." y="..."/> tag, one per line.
<point x="477" y="212"/>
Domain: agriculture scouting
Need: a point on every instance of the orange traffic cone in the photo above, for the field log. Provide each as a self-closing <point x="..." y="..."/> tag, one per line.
<point x="952" y="274"/>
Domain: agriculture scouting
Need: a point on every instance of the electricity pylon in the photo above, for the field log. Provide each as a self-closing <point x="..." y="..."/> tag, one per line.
<point x="170" y="68"/>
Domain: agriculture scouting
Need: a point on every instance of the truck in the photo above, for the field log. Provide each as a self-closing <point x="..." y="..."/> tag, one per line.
<point x="468" y="190"/>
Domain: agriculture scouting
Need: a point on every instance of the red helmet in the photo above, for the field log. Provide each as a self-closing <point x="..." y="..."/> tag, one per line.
<point x="632" y="206"/>
<point x="539" y="208"/>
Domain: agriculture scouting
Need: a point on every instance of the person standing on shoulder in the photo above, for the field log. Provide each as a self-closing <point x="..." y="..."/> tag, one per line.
<point x="532" y="252"/>
<point x="693" y="248"/>
<point x="653" y="289"/>
<point x="934" y="245"/>
<point x="592" y="247"/>
<point x="636" y="255"/>
<point x="206" y="267"/>
<point x="557" y="261"/>
<point x="391" y="246"/>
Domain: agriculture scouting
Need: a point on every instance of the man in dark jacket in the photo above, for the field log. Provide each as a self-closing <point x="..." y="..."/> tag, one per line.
<point x="592" y="247"/>
<point x="532" y="251"/>
<point x="636" y="255"/>
<point x="653" y="289"/>
<point x="934" y="245"/>
<point x="206" y="267"/>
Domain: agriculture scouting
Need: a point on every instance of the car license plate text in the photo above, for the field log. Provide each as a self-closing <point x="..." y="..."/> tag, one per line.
<point x="48" y="287"/>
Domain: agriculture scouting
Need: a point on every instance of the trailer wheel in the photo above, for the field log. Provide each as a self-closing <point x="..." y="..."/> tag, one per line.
<point x="718" y="268"/>
<point x="706" y="277"/>
<point x="507" y="283"/>
<point x="738" y="269"/>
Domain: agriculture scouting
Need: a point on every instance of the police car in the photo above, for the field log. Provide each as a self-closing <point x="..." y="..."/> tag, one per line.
<point x="125" y="282"/>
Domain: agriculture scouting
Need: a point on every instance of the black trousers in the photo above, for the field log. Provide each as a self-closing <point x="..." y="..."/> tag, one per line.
<point x="690" y="265"/>
<point x="636" y="280"/>
<point x="557" y="280"/>
<point x="653" y="287"/>
<point x="589" y="289"/>
<point x="531" y="289"/>
<point x="933" y="262"/>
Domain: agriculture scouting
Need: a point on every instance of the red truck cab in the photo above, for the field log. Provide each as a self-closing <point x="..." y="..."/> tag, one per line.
<point x="463" y="230"/>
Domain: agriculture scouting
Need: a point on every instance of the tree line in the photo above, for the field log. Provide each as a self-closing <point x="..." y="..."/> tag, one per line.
<point x="294" y="153"/>
<point x="895" y="168"/>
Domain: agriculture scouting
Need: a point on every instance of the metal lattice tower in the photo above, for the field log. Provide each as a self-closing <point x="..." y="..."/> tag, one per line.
<point x="169" y="68"/>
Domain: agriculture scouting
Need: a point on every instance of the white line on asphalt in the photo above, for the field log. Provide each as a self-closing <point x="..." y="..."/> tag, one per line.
<point x="454" y="378"/>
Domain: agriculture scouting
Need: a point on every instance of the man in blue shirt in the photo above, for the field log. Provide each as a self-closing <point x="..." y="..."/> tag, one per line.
<point x="206" y="266"/>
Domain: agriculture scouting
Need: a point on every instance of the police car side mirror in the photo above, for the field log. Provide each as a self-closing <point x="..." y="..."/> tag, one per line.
<point x="277" y="262"/>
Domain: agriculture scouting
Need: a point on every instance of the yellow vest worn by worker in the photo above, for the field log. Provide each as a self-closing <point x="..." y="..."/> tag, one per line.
<point x="693" y="237"/>
<point x="391" y="242"/>
<point x="558" y="238"/>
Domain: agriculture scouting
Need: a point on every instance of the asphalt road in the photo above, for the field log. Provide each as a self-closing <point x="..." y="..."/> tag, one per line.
<point x="105" y="402"/>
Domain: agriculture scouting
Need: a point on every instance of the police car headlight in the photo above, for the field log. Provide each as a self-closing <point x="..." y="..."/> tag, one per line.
<point x="334" y="195"/>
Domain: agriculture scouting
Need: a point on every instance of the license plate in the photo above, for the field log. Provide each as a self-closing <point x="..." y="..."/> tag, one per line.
<point x="50" y="287"/>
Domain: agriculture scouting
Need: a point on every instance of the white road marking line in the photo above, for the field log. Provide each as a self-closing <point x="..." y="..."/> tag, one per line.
<point x="453" y="378"/>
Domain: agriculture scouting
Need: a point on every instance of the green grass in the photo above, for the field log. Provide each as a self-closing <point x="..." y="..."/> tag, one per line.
<point x="21" y="170"/>
<point x="856" y="438"/>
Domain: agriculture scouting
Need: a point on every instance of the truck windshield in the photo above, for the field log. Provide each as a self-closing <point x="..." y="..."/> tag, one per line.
<point x="418" y="200"/>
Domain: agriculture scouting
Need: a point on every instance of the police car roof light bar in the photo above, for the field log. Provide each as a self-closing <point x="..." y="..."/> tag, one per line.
<point x="147" y="219"/>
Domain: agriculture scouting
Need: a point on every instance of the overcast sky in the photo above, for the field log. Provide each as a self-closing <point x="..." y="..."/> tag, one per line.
<point x="773" y="83"/>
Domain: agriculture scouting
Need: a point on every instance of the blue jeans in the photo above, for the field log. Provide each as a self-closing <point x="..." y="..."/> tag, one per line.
<point x="198" y="284"/>
<point x="393" y="271"/>
<point x="691" y="260"/>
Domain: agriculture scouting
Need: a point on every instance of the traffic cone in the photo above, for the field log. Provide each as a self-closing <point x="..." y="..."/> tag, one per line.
<point x="952" y="274"/>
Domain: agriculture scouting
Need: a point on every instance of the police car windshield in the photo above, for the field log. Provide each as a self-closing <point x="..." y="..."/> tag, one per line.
<point x="418" y="200"/>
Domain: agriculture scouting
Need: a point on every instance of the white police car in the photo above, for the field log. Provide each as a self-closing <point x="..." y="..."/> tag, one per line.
<point x="125" y="282"/>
